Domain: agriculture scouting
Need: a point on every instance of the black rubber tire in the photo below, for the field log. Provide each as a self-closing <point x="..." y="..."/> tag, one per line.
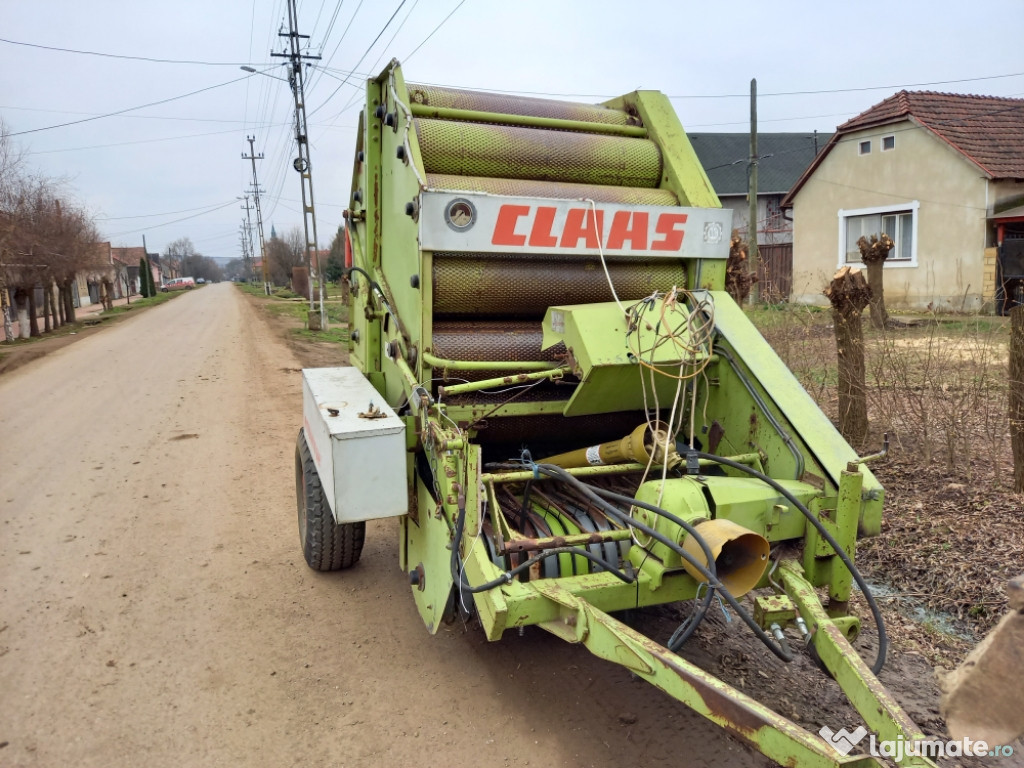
<point x="326" y="545"/>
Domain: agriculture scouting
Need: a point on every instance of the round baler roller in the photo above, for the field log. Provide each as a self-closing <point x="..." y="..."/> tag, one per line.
<point x="559" y="190"/>
<point x="515" y="152"/>
<point x="523" y="286"/>
<point x="477" y="101"/>
<point x="501" y="340"/>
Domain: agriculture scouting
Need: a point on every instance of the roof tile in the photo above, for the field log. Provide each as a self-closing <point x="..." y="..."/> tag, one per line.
<point x="988" y="130"/>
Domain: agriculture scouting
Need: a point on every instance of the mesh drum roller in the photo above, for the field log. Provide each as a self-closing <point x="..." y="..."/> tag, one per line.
<point x="524" y="286"/>
<point x="452" y="98"/>
<point x="514" y="152"/>
<point x="552" y="189"/>
<point x="496" y="340"/>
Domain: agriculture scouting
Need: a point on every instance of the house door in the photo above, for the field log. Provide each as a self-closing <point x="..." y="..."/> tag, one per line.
<point x="1010" y="280"/>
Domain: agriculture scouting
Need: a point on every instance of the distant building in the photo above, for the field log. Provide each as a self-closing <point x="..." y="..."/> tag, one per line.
<point x="942" y="175"/>
<point x="782" y="159"/>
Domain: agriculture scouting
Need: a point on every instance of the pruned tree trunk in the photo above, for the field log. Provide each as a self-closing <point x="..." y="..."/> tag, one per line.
<point x="6" y="308"/>
<point x="873" y="254"/>
<point x="69" y="303"/>
<point x="849" y="293"/>
<point x="46" y="309"/>
<point x="33" y="310"/>
<point x="1017" y="395"/>
<point x="879" y="315"/>
<point x="54" y="292"/>
<point x="738" y="277"/>
<point x="21" y="303"/>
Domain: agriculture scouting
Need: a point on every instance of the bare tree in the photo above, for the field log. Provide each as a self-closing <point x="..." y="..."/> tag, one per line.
<point x="50" y="242"/>
<point x="873" y="254"/>
<point x="849" y="294"/>
<point x="283" y="254"/>
<point x="12" y="161"/>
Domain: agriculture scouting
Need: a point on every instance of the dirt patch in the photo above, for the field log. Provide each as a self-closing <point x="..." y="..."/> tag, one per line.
<point x="310" y="352"/>
<point x="951" y="546"/>
<point x="14" y="355"/>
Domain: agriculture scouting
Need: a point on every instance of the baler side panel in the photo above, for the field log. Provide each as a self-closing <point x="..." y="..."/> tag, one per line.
<point x="826" y="453"/>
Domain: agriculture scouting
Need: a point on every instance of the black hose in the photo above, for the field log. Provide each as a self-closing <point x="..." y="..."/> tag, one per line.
<point x="876" y="613"/>
<point x="558" y="472"/>
<point x="688" y="627"/>
<point x="685" y="630"/>
<point x="510" y="574"/>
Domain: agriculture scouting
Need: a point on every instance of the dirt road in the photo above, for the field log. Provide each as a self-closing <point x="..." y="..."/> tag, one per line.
<point x="155" y="608"/>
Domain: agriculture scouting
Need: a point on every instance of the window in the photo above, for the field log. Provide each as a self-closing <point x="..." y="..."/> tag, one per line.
<point x="864" y="148"/>
<point x="899" y="222"/>
<point x="888" y="142"/>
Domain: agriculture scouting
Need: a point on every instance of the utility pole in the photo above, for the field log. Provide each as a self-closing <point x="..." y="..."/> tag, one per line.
<point x="244" y="245"/>
<point x="259" y="214"/>
<point x="753" y="255"/>
<point x="248" y="247"/>
<point x="302" y="163"/>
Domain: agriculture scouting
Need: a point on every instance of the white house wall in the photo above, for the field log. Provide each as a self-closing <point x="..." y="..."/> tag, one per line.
<point x="950" y="193"/>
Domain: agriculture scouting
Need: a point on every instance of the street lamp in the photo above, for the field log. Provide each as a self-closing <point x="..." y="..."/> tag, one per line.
<point x="258" y="72"/>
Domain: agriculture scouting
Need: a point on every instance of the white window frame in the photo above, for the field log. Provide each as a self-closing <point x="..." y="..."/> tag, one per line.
<point x="860" y="147"/>
<point x="882" y="143"/>
<point x="913" y="206"/>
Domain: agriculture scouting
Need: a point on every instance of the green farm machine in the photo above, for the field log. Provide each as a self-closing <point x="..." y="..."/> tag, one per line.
<point x="569" y="416"/>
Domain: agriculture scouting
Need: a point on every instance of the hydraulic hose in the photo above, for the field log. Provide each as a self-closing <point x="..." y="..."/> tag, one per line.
<point x="876" y="613"/>
<point x="510" y="574"/>
<point x="557" y="472"/>
<point x="688" y="627"/>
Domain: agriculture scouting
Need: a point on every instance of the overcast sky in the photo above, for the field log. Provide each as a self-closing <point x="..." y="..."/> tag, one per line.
<point x="144" y="171"/>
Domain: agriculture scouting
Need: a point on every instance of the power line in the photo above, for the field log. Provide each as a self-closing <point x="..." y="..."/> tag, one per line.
<point x="124" y="56"/>
<point x="435" y="30"/>
<point x="130" y="143"/>
<point x="331" y="23"/>
<point x="149" y="215"/>
<point x="355" y="96"/>
<point x="735" y="95"/>
<point x="330" y="58"/>
<point x="129" y="109"/>
<point x="141" y="117"/>
<point x="365" y="54"/>
<point x="168" y="223"/>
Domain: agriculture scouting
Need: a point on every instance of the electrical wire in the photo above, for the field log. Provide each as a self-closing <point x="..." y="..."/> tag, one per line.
<point x="365" y="54"/>
<point x="123" y="56"/>
<point x="129" y="109"/>
<point x="443" y="21"/>
<point x="735" y="95"/>
<point x="175" y="221"/>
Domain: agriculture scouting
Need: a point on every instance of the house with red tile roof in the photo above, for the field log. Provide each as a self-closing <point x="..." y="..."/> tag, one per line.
<point x="943" y="175"/>
<point x="127" y="261"/>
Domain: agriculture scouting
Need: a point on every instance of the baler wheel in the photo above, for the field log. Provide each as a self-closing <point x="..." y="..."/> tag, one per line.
<point x="326" y="545"/>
